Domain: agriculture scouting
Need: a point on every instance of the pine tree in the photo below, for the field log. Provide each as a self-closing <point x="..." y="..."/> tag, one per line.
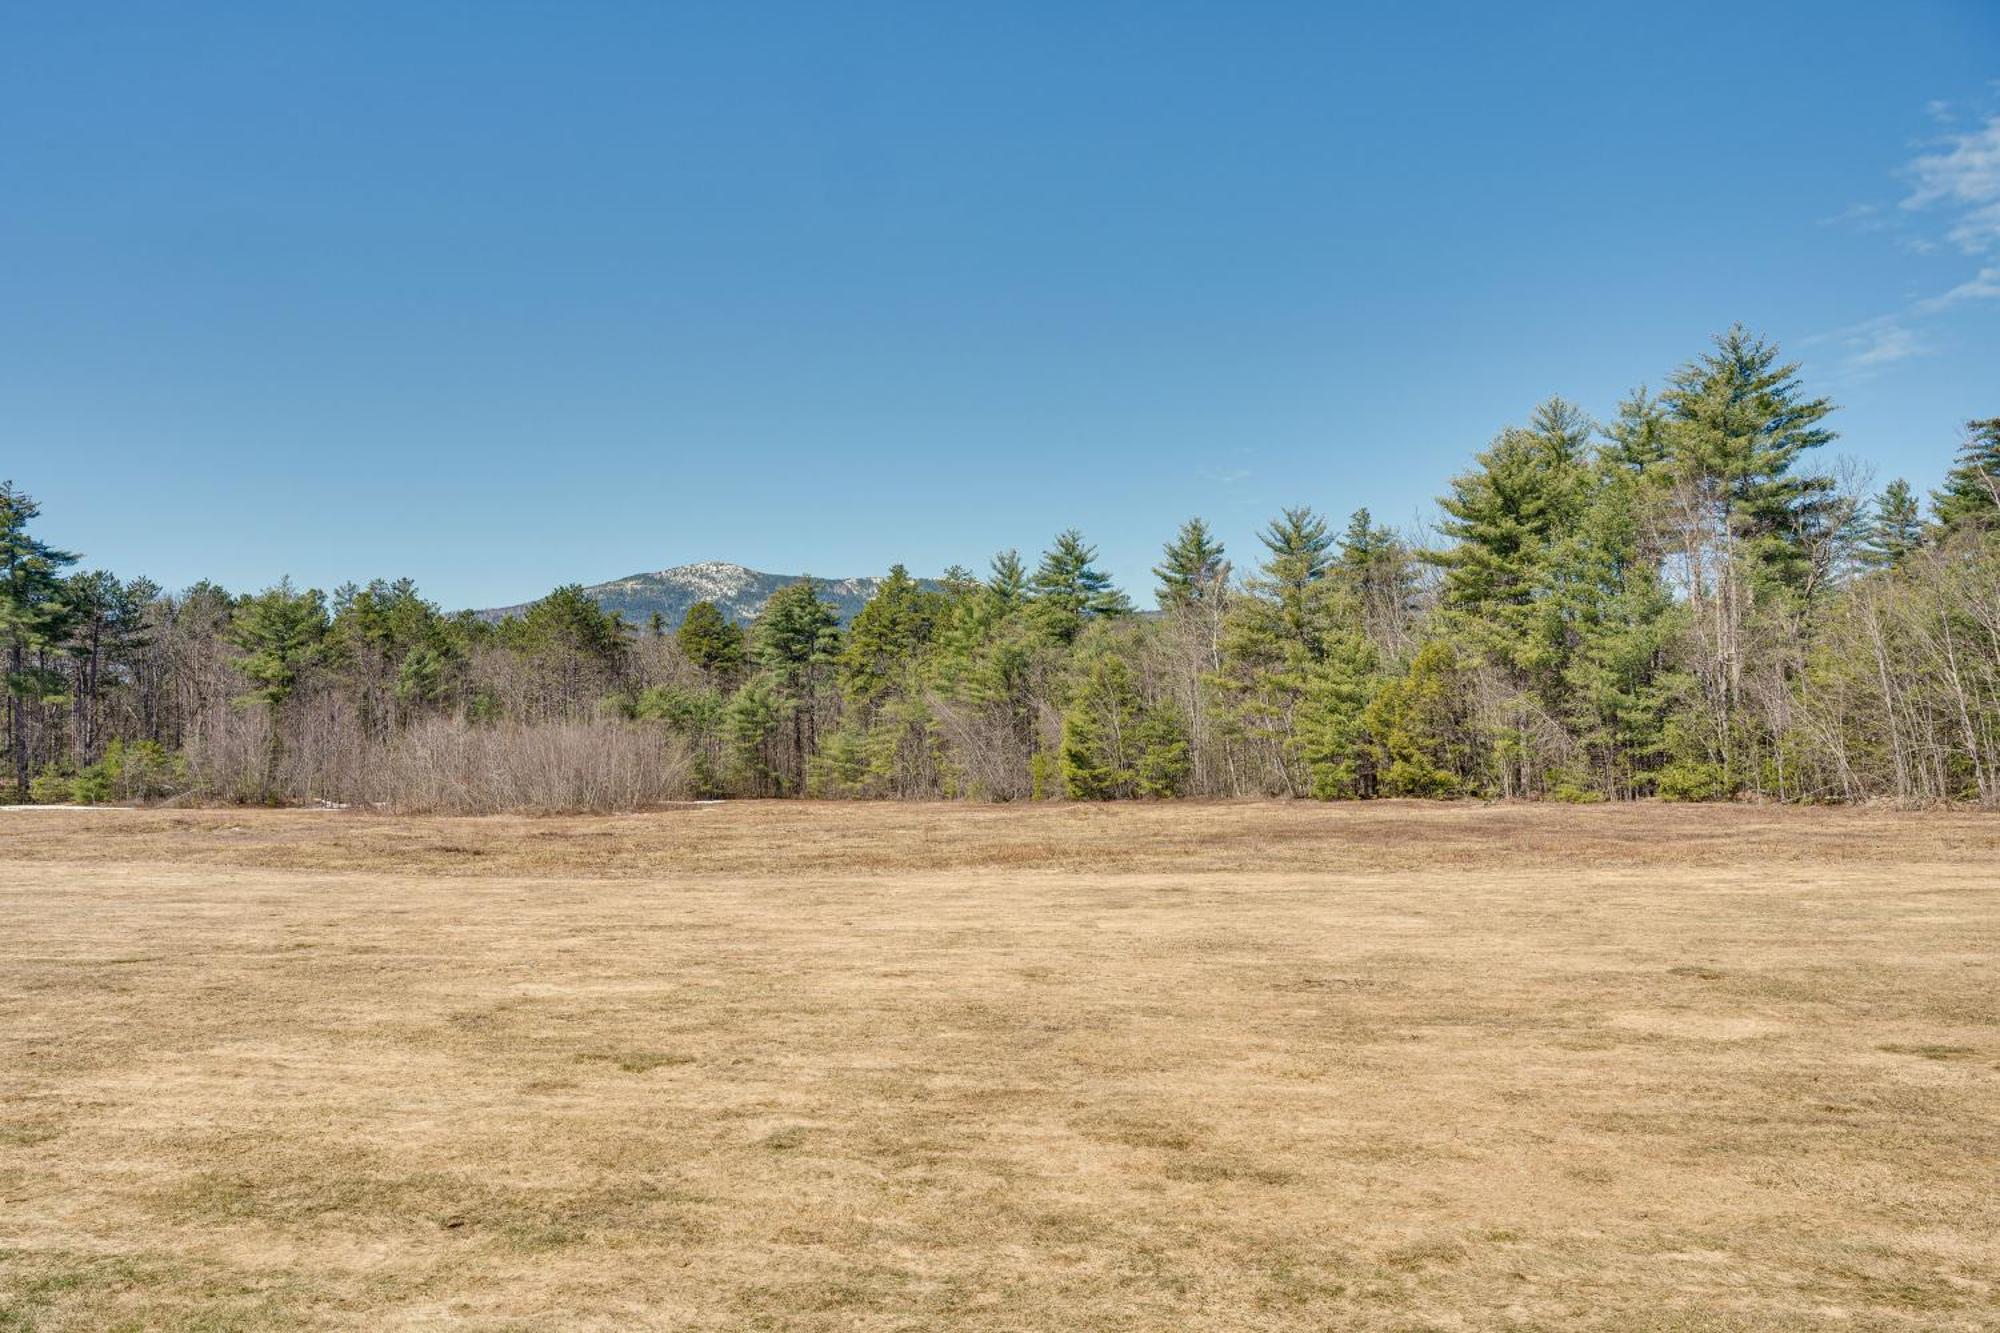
<point x="711" y="641"/>
<point x="1069" y="590"/>
<point x="32" y="618"/>
<point x="420" y="680"/>
<point x="755" y="714"/>
<point x="797" y="642"/>
<point x="1604" y="632"/>
<point x="1298" y="541"/>
<point x="1374" y="568"/>
<point x="1640" y="440"/>
<point x="1971" y="490"/>
<point x="1421" y="728"/>
<point x="1505" y="517"/>
<point x="1362" y="546"/>
<point x="1740" y="426"/>
<point x="106" y="626"/>
<point x="1113" y="745"/>
<point x="1894" y="529"/>
<point x="886" y="638"/>
<point x="1292" y="632"/>
<point x="570" y="620"/>
<point x="1009" y="581"/>
<point x="1191" y="568"/>
<point x="280" y="632"/>
<point x="1331" y="736"/>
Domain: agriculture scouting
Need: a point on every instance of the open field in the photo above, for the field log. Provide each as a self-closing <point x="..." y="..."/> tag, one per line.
<point x="1213" y="1067"/>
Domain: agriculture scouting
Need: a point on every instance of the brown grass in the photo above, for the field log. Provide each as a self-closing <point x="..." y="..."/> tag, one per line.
<point x="806" y="1066"/>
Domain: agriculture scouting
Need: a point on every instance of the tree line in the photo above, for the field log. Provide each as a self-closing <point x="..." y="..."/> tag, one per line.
<point x="1680" y="603"/>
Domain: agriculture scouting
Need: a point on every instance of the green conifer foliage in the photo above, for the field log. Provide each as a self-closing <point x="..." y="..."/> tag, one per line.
<point x="1420" y="724"/>
<point x="33" y="616"/>
<point x="711" y="640"/>
<point x="1894" y="528"/>
<point x="1191" y="568"/>
<point x="1971" y="490"/>
<point x="1113" y="745"/>
<point x="1070" y="591"/>
<point x="1740" y="426"/>
<point x="797" y="642"/>
<point x="888" y="638"/>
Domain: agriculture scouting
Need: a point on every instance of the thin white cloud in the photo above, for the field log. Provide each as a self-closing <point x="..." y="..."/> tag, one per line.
<point x="1870" y="346"/>
<point x="1985" y="286"/>
<point x="1962" y="177"/>
<point x="1956" y="184"/>
<point x="1977" y="230"/>
<point x="1882" y="346"/>
<point x="1864" y="217"/>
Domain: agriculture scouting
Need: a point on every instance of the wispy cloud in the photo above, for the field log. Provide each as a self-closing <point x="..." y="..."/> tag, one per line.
<point x="1985" y="286"/>
<point x="1870" y="346"/>
<point x="1954" y="183"/>
<point x="1862" y="217"/>
<point x="1962" y="178"/>
<point x="1882" y="346"/>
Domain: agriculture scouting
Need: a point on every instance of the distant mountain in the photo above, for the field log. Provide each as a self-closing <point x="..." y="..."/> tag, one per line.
<point x="740" y="592"/>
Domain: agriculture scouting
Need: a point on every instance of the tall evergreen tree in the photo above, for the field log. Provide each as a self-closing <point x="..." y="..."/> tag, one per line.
<point x="1009" y="579"/>
<point x="1894" y="528"/>
<point x="1504" y="517"/>
<point x="1299" y="546"/>
<point x="106" y="626"/>
<point x="1374" y="566"/>
<point x="1191" y="568"/>
<point x="797" y="642"/>
<point x="570" y="619"/>
<point x="1600" y="641"/>
<point x="1741" y="425"/>
<point x="1113" y="745"/>
<point x="1421" y="727"/>
<point x="711" y="640"/>
<point x="1971" y="490"/>
<point x="1640" y="439"/>
<point x="886" y="638"/>
<point x="32" y="618"/>
<point x="280" y="631"/>
<point x="1069" y="590"/>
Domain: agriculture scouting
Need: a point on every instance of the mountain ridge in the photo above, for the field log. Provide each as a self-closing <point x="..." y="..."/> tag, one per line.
<point x="739" y="591"/>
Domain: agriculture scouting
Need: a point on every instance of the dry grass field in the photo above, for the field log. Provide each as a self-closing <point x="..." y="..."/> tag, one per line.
<point x="1189" y="1067"/>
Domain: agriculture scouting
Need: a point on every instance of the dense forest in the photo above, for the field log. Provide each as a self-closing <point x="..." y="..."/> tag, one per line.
<point x="1678" y="603"/>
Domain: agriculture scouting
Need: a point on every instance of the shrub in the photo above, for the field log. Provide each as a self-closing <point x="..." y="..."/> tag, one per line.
<point x="1693" y="780"/>
<point x="51" y="786"/>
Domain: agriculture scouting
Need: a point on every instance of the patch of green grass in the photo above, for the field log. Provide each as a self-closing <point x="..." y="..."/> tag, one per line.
<point x="1139" y="1134"/>
<point x="1213" y="1170"/>
<point x="1929" y="1052"/>
<point x="129" y="1293"/>
<point x="1294" y="1283"/>
<point x="1423" y="1254"/>
<point x="28" y="1133"/>
<point x="637" y="1062"/>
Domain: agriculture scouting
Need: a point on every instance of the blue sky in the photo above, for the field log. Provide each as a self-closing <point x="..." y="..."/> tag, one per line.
<point x="504" y="295"/>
